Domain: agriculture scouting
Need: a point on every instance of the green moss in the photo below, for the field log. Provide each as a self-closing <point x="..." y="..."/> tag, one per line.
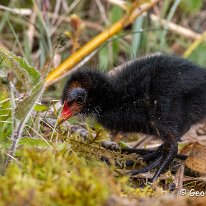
<point x="49" y="177"/>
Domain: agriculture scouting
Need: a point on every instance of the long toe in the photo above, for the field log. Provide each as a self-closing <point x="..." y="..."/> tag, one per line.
<point x="149" y="167"/>
<point x="151" y="156"/>
<point x="168" y="155"/>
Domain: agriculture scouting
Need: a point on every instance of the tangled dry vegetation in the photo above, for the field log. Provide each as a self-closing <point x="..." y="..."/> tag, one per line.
<point x="42" y="164"/>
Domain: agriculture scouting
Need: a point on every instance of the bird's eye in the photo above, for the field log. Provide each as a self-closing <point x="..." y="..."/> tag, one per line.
<point x="79" y="99"/>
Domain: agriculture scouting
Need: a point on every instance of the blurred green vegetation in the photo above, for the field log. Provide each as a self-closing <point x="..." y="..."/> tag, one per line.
<point x="49" y="177"/>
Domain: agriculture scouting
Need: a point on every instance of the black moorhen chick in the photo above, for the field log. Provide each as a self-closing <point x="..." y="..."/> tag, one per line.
<point x="158" y="95"/>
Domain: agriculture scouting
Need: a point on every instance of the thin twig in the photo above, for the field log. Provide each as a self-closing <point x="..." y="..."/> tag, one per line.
<point x="179" y="178"/>
<point x="102" y="12"/>
<point x="56" y="10"/>
<point x="142" y="140"/>
<point x="40" y="136"/>
<point x="175" y="28"/>
<point x="119" y="3"/>
<point x="15" y="139"/>
<point x="31" y="28"/>
<point x="194" y="45"/>
<point x="16" y="10"/>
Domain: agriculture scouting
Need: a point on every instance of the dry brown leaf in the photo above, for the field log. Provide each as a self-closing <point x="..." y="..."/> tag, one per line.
<point x="197" y="159"/>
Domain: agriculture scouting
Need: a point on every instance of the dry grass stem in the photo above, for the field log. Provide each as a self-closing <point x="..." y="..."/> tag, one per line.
<point x="188" y="33"/>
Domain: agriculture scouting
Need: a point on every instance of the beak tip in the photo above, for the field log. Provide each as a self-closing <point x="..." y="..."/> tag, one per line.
<point x="66" y="113"/>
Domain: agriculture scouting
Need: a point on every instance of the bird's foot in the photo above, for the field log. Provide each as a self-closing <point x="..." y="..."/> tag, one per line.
<point x="148" y="154"/>
<point x="160" y="159"/>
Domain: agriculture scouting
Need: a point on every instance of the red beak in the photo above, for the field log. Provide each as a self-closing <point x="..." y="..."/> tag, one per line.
<point x="65" y="114"/>
<point x="66" y="111"/>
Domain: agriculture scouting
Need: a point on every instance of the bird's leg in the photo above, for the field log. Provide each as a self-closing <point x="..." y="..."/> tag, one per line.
<point x="169" y="153"/>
